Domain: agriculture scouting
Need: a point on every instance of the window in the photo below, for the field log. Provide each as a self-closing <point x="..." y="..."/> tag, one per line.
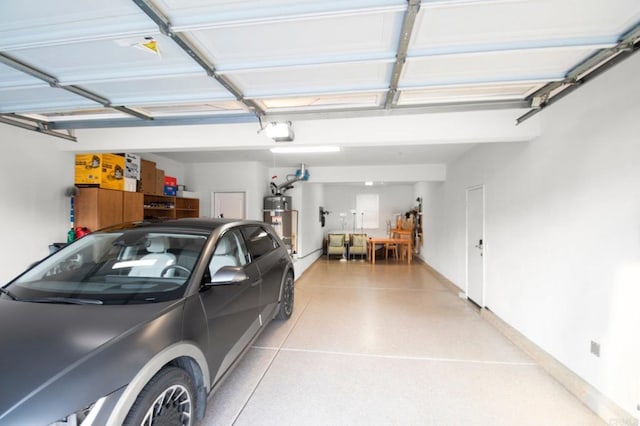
<point x="120" y="267"/>
<point x="367" y="211"/>
<point x="229" y="251"/>
<point x="259" y="241"/>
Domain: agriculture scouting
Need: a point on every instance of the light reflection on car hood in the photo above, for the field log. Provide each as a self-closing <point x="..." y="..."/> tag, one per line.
<point x="43" y="341"/>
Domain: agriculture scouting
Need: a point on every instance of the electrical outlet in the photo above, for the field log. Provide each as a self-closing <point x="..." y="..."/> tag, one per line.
<point x="595" y="348"/>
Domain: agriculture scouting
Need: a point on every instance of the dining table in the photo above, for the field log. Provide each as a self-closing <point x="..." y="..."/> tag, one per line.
<point x="373" y="241"/>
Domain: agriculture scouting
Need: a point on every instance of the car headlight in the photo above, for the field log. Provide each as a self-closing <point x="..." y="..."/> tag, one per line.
<point x="83" y="417"/>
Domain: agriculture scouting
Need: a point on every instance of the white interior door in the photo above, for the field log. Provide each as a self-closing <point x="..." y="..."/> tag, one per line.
<point x="229" y="205"/>
<point x="475" y="244"/>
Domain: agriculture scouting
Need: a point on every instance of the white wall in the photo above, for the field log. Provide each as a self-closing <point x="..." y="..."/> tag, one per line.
<point x="388" y="174"/>
<point x="248" y="177"/>
<point x="312" y="198"/>
<point x="34" y="208"/>
<point x="307" y="198"/>
<point x="393" y="199"/>
<point x="562" y="231"/>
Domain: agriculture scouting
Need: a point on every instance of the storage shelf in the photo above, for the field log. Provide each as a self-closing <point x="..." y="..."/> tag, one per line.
<point x="181" y="207"/>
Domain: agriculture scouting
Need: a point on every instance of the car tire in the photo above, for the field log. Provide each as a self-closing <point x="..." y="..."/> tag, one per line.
<point x="168" y="399"/>
<point x="286" y="301"/>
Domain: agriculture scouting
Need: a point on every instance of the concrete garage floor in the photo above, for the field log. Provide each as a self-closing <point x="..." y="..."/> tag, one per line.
<point x="387" y="345"/>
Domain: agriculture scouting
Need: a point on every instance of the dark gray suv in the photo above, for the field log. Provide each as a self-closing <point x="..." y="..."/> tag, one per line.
<point x="137" y="324"/>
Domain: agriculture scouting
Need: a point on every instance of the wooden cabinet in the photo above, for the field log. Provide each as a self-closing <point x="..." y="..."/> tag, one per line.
<point x="97" y="208"/>
<point x="147" y="176"/>
<point x="132" y="206"/>
<point x="166" y="207"/>
<point x="159" y="182"/>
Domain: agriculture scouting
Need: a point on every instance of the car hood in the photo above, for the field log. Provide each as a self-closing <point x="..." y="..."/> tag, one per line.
<point x="43" y="342"/>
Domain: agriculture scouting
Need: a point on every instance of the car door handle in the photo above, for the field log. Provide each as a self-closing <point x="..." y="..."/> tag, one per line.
<point x="256" y="282"/>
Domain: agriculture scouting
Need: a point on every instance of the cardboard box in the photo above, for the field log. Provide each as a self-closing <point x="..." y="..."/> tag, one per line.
<point x="103" y="170"/>
<point x="130" y="184"/>
<point x="88" y="169"/>
<point x="147" y="176"/>
<point x="170" y="181"/>
<point x="170" y="190"/>
<point x="186" y="194"/>
<point x="112" y="172"/>
<point x="132" y="166"/>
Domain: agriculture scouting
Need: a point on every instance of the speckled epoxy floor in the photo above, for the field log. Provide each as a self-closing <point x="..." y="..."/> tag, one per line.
<point x="387" y="345"/>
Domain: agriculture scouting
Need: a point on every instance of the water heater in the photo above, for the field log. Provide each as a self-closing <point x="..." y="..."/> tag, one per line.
<point x="277" y="202"/>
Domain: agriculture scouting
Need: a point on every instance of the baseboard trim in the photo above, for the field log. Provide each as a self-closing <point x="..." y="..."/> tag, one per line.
<point x="443" y="280"/>
<point x="590" y="396"/>
<point x="608" y="410"/>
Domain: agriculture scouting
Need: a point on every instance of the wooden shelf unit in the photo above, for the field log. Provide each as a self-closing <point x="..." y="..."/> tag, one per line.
<point x="187" y="207"/>
<point x="167" y="207"/>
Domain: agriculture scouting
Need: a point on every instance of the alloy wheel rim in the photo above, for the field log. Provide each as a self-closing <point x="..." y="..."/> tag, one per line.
<point x="172" y="407"/>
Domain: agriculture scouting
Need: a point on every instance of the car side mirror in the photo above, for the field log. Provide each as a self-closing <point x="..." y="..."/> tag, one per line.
<point x="228" y="275"/>
<point x="35" y="263"/>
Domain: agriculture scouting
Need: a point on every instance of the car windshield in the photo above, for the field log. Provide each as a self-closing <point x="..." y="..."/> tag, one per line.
<point x="121" y="267"/>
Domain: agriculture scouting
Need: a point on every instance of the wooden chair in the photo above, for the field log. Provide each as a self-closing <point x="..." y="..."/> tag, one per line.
<point x="391" y="247"/>
<point x="405" y="247"/>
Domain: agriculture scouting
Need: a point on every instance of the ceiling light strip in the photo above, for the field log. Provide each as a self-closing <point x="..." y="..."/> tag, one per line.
<point x="40" y="127"/>
<point x="165" y="27"/>
<point x="595" y="65"/>
<point x="55" y="83"/>
<point x="305" y="149"/>
<point x="401" y="55"/>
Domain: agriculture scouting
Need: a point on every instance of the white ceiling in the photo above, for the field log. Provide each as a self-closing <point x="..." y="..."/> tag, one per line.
<point x="66" y="64"/>
<point x="348" y="156"/>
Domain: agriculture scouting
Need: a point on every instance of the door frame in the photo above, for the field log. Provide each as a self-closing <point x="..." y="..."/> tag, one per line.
<point x="482" y="303"/>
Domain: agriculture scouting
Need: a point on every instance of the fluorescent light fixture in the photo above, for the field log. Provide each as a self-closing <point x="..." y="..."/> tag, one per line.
<point x="304" y="149"/>
<point x="279" y="131"/>
<point x="368" y="183"/>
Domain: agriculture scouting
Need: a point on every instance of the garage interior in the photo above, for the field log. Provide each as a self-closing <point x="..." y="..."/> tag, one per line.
<point x="531" y="102"/>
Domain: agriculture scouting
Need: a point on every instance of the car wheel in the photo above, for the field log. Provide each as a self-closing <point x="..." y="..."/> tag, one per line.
<point x="167" y="400"/>
<point x="286" y="303"/>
